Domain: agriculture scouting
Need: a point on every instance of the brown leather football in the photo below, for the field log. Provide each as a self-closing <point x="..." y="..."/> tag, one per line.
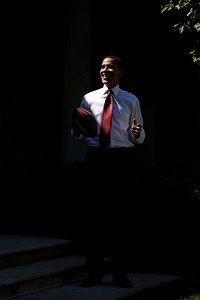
<point x="86" y="121"/>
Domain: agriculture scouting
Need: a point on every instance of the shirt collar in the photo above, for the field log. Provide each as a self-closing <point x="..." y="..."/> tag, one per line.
<point x="115" y="89"/>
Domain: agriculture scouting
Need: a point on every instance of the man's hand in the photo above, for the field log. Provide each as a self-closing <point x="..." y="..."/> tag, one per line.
<point x="77" y="128"/>
<point x="136" y="129"/>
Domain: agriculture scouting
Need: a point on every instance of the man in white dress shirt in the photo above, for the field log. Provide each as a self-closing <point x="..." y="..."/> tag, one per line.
<point x="109" y="175"/>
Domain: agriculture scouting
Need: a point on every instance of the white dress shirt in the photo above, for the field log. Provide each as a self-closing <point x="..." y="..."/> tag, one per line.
<point x="126" y="108"/>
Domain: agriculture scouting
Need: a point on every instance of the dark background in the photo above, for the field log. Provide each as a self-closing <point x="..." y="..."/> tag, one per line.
<point x="159" y="71"/>
<point x="37" y="187"/>
<point x="31" y="75"/>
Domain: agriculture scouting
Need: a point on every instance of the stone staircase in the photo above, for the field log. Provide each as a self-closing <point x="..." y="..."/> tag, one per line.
<point x="29" y="263"/>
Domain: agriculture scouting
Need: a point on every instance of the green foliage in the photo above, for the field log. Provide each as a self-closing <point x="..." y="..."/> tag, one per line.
<point x="186" y="15"/>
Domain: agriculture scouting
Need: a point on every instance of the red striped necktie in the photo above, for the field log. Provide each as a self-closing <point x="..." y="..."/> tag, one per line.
<point x="104" y="138"/>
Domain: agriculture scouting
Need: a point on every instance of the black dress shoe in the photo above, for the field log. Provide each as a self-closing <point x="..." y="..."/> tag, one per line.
<point x="91" y="281"/>
<point x="123" y="282"/>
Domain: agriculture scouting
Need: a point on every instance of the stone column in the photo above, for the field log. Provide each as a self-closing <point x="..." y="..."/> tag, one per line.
<point x="76" y="72"/>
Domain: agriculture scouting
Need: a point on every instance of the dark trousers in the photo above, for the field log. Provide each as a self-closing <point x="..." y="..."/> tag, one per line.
<point x="110" y="193"/>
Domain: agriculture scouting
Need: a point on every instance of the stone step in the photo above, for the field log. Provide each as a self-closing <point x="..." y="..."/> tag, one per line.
<point x="31" y="277"/>
<point x="15" y="250"/>
<point x="31" y="263"/>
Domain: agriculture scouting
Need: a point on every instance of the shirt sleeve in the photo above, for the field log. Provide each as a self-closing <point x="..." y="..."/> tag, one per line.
<point x="137" y="114"/>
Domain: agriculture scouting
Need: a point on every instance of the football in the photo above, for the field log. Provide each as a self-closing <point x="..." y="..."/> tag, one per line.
<point x="85" y="121"/>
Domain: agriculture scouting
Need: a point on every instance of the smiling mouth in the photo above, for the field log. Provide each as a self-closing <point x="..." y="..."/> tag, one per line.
<point x="106" y="76"/>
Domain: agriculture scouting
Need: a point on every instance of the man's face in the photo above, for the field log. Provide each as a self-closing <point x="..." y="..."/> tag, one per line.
<point x="110" y="73"/>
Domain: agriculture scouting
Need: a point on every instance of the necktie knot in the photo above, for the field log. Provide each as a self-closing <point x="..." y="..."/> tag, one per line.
<point x="110" y="92"/>
<point x="108" y="99"/>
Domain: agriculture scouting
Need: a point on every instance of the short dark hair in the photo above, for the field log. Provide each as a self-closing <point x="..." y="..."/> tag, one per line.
<point x="118" y="60"/>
